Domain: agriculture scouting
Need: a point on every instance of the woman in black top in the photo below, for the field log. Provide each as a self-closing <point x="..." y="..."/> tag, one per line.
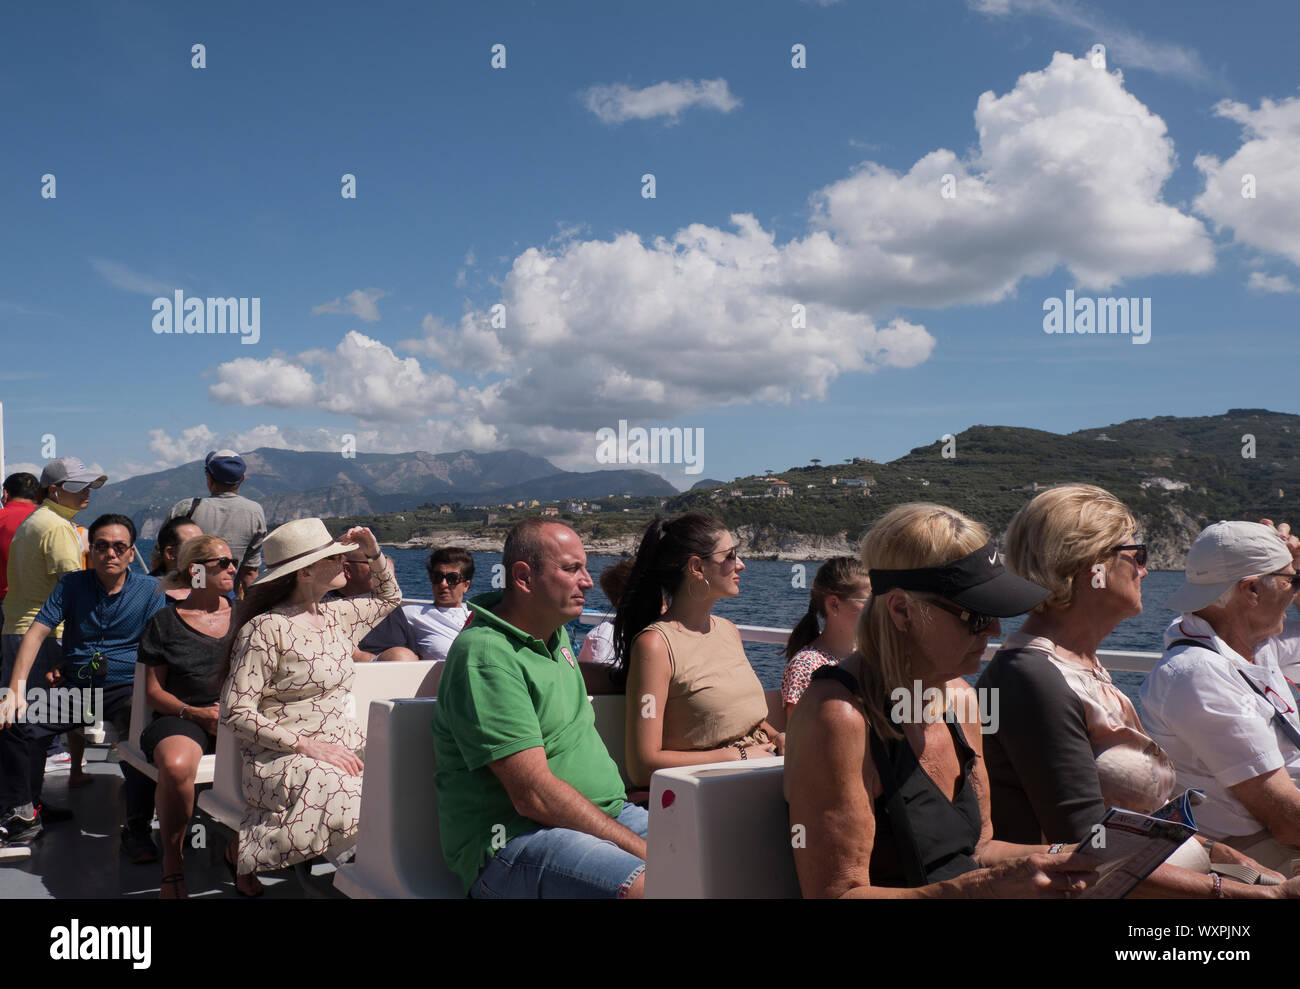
<point x="182" y="648"/>
<point x="883" y="772"/>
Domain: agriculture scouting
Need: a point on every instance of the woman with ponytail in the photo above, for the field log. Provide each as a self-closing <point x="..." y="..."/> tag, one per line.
<point x="692" y="696"/>
<point x="839" y="592"/>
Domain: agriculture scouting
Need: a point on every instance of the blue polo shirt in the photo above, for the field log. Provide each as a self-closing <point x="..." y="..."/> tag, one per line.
<point x="96" y="621"/>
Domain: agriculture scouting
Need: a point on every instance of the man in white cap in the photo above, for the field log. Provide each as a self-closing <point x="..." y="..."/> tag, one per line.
<point x="1217" y="701"/>
<point x="228" y="514"/>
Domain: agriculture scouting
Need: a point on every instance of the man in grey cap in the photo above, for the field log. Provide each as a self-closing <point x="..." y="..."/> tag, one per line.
<point x="44" y="548"/>
<point x="228" y="514"/>
<point x="1218" y="703"/>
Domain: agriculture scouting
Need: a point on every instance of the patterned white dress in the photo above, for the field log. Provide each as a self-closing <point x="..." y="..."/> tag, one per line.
<point x="288" y="681"/>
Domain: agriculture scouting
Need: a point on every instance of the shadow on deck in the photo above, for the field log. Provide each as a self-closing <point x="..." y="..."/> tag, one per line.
<point x="81" y="859"/>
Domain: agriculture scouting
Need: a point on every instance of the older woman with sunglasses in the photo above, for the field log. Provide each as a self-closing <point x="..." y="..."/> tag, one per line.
<point x="883" y="773"/>
<point x="181" y="650"/>
<point x="1069" y="743"/>
<point x="692" y="696"/>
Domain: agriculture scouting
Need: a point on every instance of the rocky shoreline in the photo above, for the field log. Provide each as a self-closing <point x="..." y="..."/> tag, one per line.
<point x="1167" y="548"/>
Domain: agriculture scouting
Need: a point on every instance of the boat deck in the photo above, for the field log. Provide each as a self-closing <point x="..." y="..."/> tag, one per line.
<point x="82" y="859"/>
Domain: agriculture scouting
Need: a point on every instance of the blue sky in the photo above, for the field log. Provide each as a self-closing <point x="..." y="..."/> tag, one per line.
<point x="775" y="187"/>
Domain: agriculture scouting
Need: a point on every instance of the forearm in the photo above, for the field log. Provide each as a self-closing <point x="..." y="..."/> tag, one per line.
<point x="164" y="701"/>
<point x="999" y="851"/>
<point x="643" y="766"/>
<point x="1171" y="882"/>
<point x="28" y="650"/>
<point x="385" y="583"/>
<point x="553" y="803"/>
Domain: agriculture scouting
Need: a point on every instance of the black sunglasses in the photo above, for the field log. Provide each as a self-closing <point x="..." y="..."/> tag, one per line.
<point x="222" y="562"/>
<point x="103" y="546"/>
<point x="977" y="623"/>
<point x="452" y="577"/>
<point x="1139" y="552"/>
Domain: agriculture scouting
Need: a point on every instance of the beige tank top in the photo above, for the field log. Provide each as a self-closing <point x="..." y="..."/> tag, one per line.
<point x="714" y="696"/>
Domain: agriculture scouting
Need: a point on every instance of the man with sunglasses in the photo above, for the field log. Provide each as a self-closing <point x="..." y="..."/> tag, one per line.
<point x="1218" y="703"/>
<point x="451" y="570"/>
<point x="103" y="612"/>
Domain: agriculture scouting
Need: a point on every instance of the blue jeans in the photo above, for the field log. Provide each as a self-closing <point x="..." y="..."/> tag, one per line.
<point x="557" y="863"/>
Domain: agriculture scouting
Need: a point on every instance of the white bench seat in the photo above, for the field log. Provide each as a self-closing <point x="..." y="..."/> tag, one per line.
<point x="225" y="804"/>
<point x="720" y="831"/>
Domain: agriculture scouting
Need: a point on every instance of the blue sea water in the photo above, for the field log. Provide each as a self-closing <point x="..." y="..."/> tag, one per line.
<point x="769" y="596"/>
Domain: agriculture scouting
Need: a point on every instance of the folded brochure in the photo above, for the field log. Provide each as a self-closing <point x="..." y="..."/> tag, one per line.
<point x="1130" y="846"/>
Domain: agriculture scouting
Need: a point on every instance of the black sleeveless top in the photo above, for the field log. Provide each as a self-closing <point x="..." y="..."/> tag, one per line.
<point x="922" y="837"/>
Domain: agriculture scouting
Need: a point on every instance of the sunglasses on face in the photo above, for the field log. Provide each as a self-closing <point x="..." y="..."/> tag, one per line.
<point x="728" y="556"/>
<point x="1139" y="552"/>
<point x="103" y="546"/>
<point x="452" y="577"/>
<point x="977" y="624"/>
<point x="220" y="562"/>
<point x="1293" y="578"/>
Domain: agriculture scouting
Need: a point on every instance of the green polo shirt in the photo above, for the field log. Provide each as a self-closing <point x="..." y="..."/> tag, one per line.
<point x="503" y="691"/>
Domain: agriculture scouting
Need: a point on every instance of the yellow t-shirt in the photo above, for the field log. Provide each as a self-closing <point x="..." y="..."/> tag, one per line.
<point x="45" y="547"/>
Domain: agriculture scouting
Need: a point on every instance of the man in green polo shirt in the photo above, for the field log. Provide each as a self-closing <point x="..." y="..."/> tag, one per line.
<point x="529" y="802"/>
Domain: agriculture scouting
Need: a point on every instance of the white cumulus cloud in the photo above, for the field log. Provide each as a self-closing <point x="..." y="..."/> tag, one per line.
<point x="1068" y="172"/>
<point x="362" y="303"/>
<point x="614" y="103"/>
<point x="1256" y="192"/>
<point x="1260" y="282"/>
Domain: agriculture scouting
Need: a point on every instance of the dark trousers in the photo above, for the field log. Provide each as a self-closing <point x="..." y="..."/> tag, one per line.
<point x="22" y="761"/>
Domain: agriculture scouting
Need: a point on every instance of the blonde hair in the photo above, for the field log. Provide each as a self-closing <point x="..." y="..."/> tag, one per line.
<point x="921" y="534"/>
<point x="1062" y="531"/>
<point x="190" y="552"/>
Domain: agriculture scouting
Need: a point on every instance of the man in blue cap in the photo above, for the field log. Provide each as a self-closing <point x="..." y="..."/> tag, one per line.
<point x="228" y="514"/>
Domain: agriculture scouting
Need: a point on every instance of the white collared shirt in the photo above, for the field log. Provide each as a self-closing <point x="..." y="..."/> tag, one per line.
<point x="435" y="628"/>
<point x="1217" y="730"/>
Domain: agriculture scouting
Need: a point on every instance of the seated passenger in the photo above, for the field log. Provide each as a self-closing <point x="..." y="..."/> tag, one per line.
<point x="879" y="822"/>
<point x="692" y="696"/>
<point x="1068" y="743"/>
<point x="392" y="640"/>
<point x="287" y="696"/>
<point x="182" y="648"/>
<point x="435" y="626"/>
<point x="596" y="660"/>
<point x="1217" y="701"/>
<point x="839" y="593"/>
<point x="166" y="551"/>
<point x="529" y="802"/>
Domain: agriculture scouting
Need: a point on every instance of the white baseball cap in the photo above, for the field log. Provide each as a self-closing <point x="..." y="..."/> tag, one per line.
<point x="1223" y="554"/>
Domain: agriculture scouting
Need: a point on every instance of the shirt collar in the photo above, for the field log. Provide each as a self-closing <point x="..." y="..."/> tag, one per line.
<point x="63" y="511"/>
<point x="1196" y="627"/>
<point x="482" y="607"/>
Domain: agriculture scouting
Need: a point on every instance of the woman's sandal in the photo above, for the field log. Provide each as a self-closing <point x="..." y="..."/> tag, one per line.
<point x="234" y="874"/>
<point x="175" y="879"/>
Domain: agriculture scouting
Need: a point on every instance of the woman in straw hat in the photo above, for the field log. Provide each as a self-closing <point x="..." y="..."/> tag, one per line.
<point x="287" y="684"/>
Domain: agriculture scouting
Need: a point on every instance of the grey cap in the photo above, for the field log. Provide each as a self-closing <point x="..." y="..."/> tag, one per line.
<point x="72" y="474"/>
<point x="1223" y="554"/>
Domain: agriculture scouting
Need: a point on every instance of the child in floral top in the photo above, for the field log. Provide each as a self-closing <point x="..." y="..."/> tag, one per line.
<point x="839" y="592"/>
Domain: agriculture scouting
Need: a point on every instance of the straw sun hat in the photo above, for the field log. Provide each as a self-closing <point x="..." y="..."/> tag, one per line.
<point x="298" y="544"/>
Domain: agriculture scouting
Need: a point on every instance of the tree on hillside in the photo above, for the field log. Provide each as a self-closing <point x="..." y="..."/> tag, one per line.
<point x="770" y="471"/>
<point x="816" y="461"/>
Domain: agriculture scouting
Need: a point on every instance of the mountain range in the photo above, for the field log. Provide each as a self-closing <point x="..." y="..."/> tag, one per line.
<point x="291" y="484"/>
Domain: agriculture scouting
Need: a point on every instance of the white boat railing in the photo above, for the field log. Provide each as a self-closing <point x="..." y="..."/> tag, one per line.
<point x="1115" y="660"/>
